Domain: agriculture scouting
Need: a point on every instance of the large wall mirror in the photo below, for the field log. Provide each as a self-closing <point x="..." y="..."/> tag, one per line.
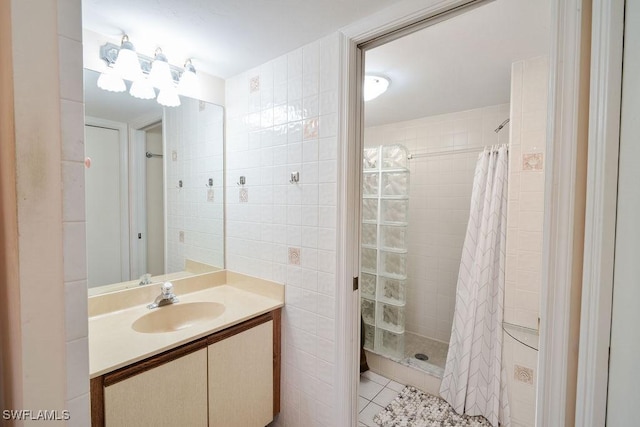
<point x="154" y="188"/>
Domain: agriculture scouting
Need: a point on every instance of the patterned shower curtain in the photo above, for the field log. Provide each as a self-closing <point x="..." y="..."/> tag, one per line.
<point x="474" y="380"/>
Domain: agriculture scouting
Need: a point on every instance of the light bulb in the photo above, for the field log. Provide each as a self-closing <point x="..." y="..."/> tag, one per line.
<point x="127" y="65"/>
<point x="110" y="81"/>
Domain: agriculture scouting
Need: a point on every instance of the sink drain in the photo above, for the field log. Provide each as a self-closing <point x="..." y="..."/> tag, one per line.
<point x="421" y="356"/>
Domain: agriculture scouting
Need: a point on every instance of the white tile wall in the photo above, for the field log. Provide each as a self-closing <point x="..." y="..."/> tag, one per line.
<point x="281" y="118"/>
<point x="74" y="246"/>
<point x="439" y="201"/>
<point x="529" y="80"/>
<point x="194" y="132"/>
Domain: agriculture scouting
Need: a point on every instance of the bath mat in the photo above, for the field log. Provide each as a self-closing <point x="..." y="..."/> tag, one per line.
<point x="414" y="408"/>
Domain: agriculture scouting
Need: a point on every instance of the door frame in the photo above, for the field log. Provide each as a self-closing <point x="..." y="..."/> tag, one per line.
<point x="601" y="210"/>
<point x="564" y="189"/>
<point x="122" y="128"/>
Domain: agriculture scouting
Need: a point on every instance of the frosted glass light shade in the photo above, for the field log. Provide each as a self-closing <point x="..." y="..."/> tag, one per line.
<point x="374" y="86"/>
<point x="142" y="89"/>
<point x="188" y="84"/>
<point x="160" y="74"/>
<point x="168" y="97"/>
<point x="127" y="64"/>
<point x="110" y="81"/>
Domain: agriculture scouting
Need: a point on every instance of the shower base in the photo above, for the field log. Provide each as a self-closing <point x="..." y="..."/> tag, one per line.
<point x="436" y="352"/>
<point x="416" y="347"/>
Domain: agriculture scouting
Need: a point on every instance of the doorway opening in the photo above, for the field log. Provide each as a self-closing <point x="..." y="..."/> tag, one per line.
<point x="472" y="82"/>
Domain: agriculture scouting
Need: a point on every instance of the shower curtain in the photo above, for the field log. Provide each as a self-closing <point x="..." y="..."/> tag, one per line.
<point x="474" y="380"/>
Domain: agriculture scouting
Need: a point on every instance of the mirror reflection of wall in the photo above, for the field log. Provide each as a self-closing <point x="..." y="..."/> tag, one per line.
<point x="154" y="188"/>
<point x="154" y="195"/>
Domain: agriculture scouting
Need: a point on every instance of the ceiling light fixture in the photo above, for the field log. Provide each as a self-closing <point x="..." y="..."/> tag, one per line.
<point x="374" y="86"/>
<point x="146" y="74"/>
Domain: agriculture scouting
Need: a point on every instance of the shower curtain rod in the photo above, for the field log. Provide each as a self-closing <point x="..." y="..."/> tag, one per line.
<point x="447" y="152"/>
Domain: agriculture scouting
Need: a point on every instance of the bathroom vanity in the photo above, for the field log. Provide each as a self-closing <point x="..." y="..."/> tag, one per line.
<point x="213" y="358"/>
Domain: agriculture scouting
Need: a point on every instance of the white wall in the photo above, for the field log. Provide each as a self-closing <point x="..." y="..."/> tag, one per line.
<point x="282" y="117"/>
<point x="194" y="153"/>
<point x="47" y="365"/>
<point x="439" y="202"/>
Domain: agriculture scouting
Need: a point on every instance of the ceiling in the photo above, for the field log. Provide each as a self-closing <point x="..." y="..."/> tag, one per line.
<point x="224" y="38"/>
<point x="459" y="64"/>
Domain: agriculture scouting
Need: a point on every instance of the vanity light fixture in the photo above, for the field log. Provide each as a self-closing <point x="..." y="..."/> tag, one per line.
<point x="110" y="81"/>
<point x="188" y="84"/>
<point x="160" y="74"/>
<point x="142" y="89"/>
<point x="145" y="73"/>
<point x="374" y="86"/>
<point x="127" y="65"/>
<point x="168" y="97"/>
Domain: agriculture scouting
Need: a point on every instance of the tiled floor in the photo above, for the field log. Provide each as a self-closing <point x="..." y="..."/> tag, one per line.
<point x="376" y="392"/>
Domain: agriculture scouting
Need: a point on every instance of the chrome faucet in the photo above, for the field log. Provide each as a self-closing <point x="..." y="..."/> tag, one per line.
<point x="166" y="296"/>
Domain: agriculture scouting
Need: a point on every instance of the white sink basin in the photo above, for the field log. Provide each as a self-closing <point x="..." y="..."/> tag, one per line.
<point x="177" y="316"/>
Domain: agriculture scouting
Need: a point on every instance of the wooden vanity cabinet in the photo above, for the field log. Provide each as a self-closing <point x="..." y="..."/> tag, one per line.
<point x="230" y="378"/>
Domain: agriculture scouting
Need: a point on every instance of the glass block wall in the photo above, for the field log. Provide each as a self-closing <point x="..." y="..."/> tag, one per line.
<point x="383" y="276"/>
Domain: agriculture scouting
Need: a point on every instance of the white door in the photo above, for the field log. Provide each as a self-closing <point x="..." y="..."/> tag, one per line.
<point x="103" y="206"/>
<point x="624" y="375"/>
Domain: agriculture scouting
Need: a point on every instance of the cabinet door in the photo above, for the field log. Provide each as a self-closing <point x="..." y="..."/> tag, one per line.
<point x="241" y="379"/>
<point x="172" y="394"/>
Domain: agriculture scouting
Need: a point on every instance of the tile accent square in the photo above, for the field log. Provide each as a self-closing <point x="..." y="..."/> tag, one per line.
<point x="522" y="374"/>
<point x="254" y="84"/>
<point x="244" y="195"/>
<point x="532" y="162"/>
<point x="294" y="256"/>
<point x="310" y="128"/>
